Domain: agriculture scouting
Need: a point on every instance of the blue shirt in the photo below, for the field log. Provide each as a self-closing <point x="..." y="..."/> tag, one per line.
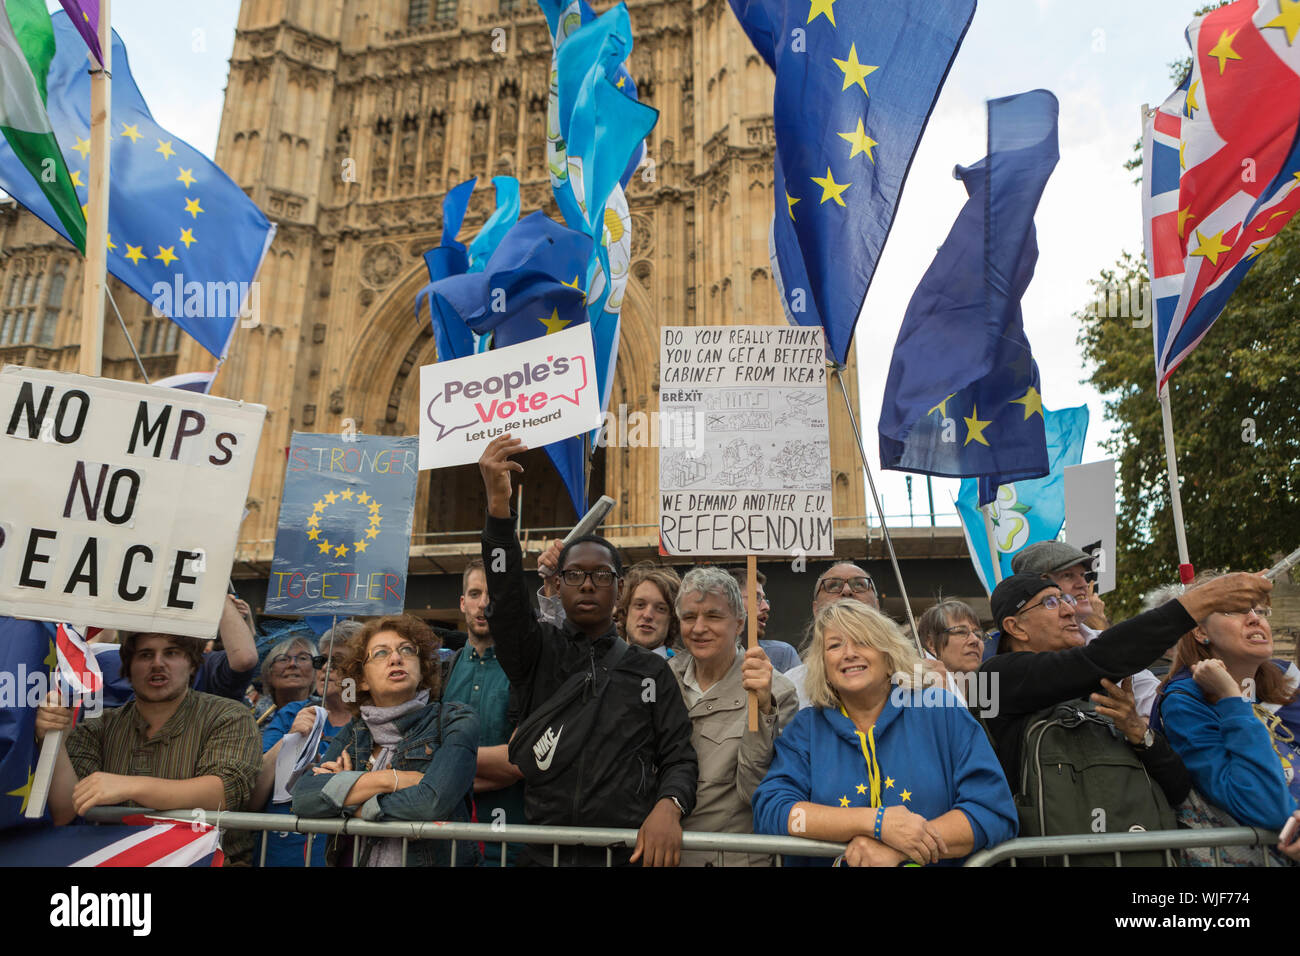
<point x="286" y="849"/>
<point x="478" y="681"/>
<point x="782" y="655"/>
<point x="932" y="754"/>
<point x="216" y="676"/>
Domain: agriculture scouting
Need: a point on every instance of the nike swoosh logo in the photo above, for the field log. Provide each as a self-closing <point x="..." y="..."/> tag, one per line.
<point x="545" y="764"/>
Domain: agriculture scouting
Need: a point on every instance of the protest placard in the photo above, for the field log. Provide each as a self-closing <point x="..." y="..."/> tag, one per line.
<point x="1090" y="516"/>
<point x="543" y="390"/>
<point x="343" y="541"/>
<point x="758" y="480"/>
<point x="122" y="501"/>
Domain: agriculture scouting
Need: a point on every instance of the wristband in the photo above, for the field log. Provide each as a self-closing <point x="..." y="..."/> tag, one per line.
<point x="395" y="780"/>
<point x="880" y="819"/>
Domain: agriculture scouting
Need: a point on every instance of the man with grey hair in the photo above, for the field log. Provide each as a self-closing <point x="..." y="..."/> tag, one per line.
<point x="1067" y="567"/>
<point x="716" y="676"/>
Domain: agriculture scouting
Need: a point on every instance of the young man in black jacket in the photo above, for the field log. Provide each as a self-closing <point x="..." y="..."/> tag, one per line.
<point x="636" y="768"/>
<point x="1043" y="661"/>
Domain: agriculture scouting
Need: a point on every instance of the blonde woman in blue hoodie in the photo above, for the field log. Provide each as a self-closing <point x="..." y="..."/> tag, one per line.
<point x="899" y="772"/>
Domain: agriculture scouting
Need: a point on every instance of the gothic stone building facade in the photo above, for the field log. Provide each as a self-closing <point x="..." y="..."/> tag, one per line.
<point x="346" y="121"/>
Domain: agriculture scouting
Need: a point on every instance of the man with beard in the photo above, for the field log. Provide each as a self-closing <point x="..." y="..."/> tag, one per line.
<point x="476" y="679"/>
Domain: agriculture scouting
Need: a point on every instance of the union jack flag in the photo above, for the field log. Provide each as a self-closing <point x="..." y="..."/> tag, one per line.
<point x="78" y="667"/>
<point x="1221" y="167"/>
<point x="140" y="841"/>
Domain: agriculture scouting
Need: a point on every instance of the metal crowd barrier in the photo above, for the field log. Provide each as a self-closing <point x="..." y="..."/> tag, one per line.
<point x="1168" y="841"/>
<point x="606" y="839"/>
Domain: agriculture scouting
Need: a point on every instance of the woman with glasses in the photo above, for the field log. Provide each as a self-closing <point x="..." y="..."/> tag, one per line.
<point x="951" y="632"/>
<point x="299" y="717"/>
<point x="405" y="756"/>
<point x="1233" y="715"/>
<point x="288" y="675"/>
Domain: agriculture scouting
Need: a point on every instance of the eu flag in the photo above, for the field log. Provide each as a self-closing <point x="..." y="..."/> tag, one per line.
<point x="26" y="659"/>
<point x="854" y="91"/>
<point x="180" y="232"/>
<point x="531" y="286"/>
<point x="1026" y="511"/>
<point x="962" y="398"/>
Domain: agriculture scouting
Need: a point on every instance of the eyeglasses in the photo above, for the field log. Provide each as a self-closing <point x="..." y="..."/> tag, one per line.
<point x="408" y="651"/>
<point x="1052" y="602"/>
<point x="836" y="585"/>
<point x="964" y="631"/>
<point x="1257" y="611"/>
<point x="302" y="660"/>
<point x="575" y="578"/>
<point x="320" y="660"/>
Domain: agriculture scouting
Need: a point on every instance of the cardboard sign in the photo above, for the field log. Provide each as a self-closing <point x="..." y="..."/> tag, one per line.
<point x="542" y="391"/>
<point x="122" y="501"/>
<point x="758" y="479"/>
<point x="342" y="545"/>
<point x="1090" y="517"/>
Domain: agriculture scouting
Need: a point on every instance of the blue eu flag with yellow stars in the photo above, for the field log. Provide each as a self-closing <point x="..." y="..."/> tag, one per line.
<point x="530" y="287"/>
<point x="180" y="232"/>
<point x="855" y="85"/>
<point x="963" y="395"/>
<point x="26" y="660"/>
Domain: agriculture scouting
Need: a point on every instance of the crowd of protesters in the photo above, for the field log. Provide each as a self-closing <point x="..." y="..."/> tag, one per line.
<point x="622" y="700"/>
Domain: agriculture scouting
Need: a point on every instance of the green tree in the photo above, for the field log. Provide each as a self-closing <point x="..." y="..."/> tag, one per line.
<point x="1236" y="410"/>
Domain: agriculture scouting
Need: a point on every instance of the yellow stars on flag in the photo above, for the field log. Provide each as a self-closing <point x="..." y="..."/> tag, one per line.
<point x="1032" y="401"/>
<point x="861" y="142"/>
<point x="1223" y="51"/>
<point x="830" y="188"/>
<point x="821" y="8"/>
<point x="844" y="801"/>
<point x="1191" y="97"/>
<point x="187" y="237"/>
<point x="318" y="506"/>
<point x="372" y="532"/>
<point x="1183" y="216"/>
<point x="192" y="207"/>
<point x="975" y="428"/>
<point x="135" y="254"/>
<point x="574" y="285"/>
<point x="313" y="533"/>
<point x="941" y="408"/>
<point x="789" y="204"/>
<point x="331" y="498"/>
<point x="167" y="254"/>
<point x="108" y="239"/>
<point x="165" y="149"/>
<point x="1258" y="247"/>
<point x="862" y="788"/>
<point x="75" y="175"/>
<point x="359" y="547"/>
<point x="186" y="177"/>
<point x="25" y="791"/>
<point x="363" y="498"/>
<point x="347" y="494"/>
<point x="906" y="795"/>
<point x="1288" y="19"/>
<point x="313" y="521"/>
<point x="1210" y="248"/>
<point x="83" y="147"/>
<point x="554" y="323"/>
<point x="324" y="546"/>
<point x="1182" y="154"/>
<point x="132" y="132"/>
<point x="341" y="551"/>
<point x="855" y="73"/>
<point x="889" y="781"/>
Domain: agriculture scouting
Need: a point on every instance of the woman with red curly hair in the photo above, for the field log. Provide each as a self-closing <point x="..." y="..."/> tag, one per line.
<point x="405" y="756"/>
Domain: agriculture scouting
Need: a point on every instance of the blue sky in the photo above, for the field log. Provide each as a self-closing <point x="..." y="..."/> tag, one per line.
<point x="1102" y="59"/>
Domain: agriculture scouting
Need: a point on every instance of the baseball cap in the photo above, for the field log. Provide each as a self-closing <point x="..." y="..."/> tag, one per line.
<point x="1015" y="592"/>
<point x="1048" y="557"/>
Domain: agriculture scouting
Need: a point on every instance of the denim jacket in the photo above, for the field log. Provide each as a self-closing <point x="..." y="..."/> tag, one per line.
<point x="445" y="793"/>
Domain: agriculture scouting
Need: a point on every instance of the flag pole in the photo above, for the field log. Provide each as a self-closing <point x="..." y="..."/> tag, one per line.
<point x="94" y="283"/>
<point x="1185" y="570"/>
<point x="884" y="528"/>
<point x="993" y="545"/>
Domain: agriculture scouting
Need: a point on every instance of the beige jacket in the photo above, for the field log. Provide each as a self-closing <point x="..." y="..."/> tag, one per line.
<point x="732" y="760"/>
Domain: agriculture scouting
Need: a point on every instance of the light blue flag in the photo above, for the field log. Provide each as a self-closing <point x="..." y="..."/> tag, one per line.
<point x="497" y="225"/>
<point x="1024" y="512"/>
